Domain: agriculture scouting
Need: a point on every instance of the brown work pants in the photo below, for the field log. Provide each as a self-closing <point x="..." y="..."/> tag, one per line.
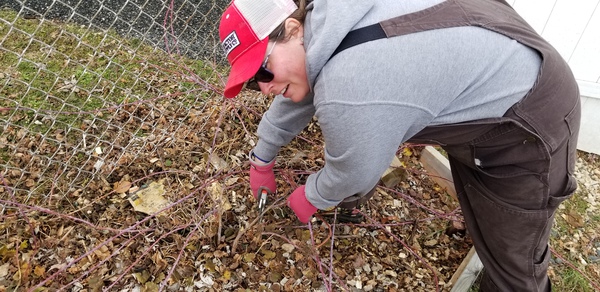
<point x="509" y="186"/>
<point x="511" y="172"/>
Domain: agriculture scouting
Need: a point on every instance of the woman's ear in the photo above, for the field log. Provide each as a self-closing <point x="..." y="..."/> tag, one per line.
<point x="293" y="28"/>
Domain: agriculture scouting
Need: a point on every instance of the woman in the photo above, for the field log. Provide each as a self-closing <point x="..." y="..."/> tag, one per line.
<point x="469" y="75"/>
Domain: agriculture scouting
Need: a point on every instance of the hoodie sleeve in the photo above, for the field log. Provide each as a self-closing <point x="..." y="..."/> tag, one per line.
<point x="281" y="123"/>
<point x="360" y="142"/>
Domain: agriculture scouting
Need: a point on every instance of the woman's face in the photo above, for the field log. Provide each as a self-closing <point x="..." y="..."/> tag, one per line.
<point x="287" y="62"/>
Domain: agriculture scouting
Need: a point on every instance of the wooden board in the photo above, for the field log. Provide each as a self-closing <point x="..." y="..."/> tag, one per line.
<point x="467" y="272"/>
<point x="438" y="166"/>
<point x="394" y="174"/>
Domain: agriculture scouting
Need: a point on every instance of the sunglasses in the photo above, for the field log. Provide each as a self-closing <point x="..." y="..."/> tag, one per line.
<point x="262" y="75"/>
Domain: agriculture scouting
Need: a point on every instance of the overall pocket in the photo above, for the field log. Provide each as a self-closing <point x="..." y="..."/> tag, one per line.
<point x="511" y="160"/>
<point x="516" y="238"/>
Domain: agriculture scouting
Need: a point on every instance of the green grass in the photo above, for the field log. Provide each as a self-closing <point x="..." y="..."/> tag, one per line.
<point x="49" y="64"/>
<point x="56" y="75"/>
<point x="575" y="231"/>
<point x="571" y="280"/>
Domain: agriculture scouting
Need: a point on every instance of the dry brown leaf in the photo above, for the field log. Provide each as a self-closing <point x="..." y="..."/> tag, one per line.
<point x="573" y="219"/>
<point x="216" y="192"/>
<point x="217" y="162"/>
<point x="122" y="187"/>
<point x="158" y="261"/>
<point x="39" y="271"/>
<point x="268" y="255"/>
<point x="102" y="253"/>
<point x="4" y="270"/>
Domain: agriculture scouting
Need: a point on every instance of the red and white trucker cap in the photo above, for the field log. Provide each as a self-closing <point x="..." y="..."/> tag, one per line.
<point x="244" y="30"/>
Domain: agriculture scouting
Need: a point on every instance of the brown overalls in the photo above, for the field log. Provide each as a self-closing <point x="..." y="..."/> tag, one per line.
<point x="510" y="173"/>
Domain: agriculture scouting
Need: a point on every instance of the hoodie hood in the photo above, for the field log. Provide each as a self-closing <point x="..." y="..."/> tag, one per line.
<point x="326" y="25"/>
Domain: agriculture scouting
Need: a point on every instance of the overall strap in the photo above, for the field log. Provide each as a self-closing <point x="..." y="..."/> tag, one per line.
<point x="359" y="36"/>
<point x="443" y="15"/>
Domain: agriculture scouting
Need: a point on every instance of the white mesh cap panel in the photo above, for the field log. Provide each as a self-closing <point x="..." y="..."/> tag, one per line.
<point x="265" y="15"/>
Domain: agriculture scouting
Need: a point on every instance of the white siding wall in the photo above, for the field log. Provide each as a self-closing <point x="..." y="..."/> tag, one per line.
<point x="573" y="28"/>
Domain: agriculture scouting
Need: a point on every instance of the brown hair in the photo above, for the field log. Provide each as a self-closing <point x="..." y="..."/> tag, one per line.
<point x="279" y="33"/>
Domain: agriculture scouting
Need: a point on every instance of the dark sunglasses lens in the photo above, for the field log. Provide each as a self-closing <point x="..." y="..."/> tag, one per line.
<point x="252" y="85"/>
<point x="263" y="75"/>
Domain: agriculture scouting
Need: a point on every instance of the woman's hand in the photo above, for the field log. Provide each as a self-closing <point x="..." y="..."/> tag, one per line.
<point x="261" y="175"/>
<point x="300" y="205"/>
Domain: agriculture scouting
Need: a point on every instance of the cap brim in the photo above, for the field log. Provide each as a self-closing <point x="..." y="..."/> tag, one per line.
<point x="244" y="67"/>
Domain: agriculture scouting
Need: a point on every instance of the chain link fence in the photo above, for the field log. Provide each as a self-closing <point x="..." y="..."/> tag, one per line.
<point x="101" y="100"/>
<point x="85" y="84"/>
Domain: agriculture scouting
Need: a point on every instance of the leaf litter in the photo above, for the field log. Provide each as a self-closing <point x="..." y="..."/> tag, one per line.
<point x="68" y="223"/>
<point x="106" y="234"/>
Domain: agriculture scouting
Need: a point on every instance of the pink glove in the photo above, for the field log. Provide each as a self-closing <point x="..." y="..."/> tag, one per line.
<point x="261" y="175"/>
<point x="301" y="206"/>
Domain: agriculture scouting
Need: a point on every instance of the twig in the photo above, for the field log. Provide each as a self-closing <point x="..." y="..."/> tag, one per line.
<point x="331" y="246"/>
<point x="220" y="228"/>
<point x="330" y="234"/>
<point x="413" y="232"/>
<point x="250" y="224"/>
<point x="312" y="240"/>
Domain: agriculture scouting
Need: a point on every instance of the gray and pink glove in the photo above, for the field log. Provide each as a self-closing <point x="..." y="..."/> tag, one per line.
<point x="261" y="175"/>
<point x="300" y="205"/>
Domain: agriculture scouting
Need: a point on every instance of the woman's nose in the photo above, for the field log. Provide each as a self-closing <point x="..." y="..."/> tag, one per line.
<point x="265" y="87"/>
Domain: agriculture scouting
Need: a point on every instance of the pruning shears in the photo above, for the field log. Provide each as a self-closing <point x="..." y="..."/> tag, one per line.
<point x="263" y="194"/>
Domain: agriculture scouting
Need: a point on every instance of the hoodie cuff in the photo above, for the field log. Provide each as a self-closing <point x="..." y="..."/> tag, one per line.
<point x="313" y="196"/>
<point x="265" y="150"/>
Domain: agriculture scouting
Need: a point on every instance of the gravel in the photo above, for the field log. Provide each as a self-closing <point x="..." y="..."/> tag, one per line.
<point x="588" y="176"/>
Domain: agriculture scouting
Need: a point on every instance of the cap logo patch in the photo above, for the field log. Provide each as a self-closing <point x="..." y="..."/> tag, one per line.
<point x="230" y="43"/>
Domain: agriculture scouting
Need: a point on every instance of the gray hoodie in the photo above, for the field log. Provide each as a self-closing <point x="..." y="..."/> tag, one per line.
<point x="371" y="98"/>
